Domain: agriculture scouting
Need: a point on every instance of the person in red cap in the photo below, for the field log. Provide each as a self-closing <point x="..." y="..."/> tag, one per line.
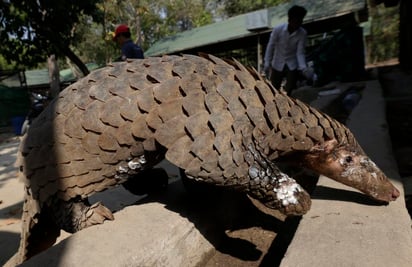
<point x="129" y="49"/>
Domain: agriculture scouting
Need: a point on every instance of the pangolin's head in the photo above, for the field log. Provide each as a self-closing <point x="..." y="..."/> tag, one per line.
<point x="349" y="165"/>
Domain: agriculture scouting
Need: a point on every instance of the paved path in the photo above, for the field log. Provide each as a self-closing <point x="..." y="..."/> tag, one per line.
<point x="11" y="196"/>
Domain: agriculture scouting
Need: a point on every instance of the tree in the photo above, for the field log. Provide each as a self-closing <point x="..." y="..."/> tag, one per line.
<point x="148" y="20"/>
<point x="33" y="30"/>
<point x="383" y="44"/>
<point x="4" y="65"/>
<point x="405" y="35"/>
<point x="237" y="7"/>
<point x="152" y="20"/>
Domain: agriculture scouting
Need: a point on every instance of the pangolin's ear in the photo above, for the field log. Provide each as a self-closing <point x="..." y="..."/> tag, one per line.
<point x="325" y="147"/>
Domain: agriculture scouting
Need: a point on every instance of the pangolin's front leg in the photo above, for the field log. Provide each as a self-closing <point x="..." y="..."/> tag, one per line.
<point x="274" y="188"/>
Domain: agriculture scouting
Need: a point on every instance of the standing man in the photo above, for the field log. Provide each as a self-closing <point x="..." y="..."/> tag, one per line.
<point x="129" y="49"/>
<point x="285" y="52"/>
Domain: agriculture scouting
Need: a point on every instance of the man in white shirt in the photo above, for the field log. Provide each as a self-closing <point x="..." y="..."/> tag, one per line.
<point x="285" y="52"/>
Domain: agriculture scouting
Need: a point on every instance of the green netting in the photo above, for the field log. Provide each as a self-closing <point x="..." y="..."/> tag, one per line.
<point x="14" y="101"/>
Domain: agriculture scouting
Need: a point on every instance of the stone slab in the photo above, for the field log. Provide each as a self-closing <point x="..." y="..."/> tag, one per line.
<point x="143" y="235"/>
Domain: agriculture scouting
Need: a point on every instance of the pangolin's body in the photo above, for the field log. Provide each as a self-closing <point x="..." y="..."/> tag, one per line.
<point x="220" y="122"/>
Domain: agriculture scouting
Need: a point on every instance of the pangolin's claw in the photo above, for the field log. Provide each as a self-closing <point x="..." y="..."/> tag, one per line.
<point x="73" y="216"/>
<point x="97" y="214"/>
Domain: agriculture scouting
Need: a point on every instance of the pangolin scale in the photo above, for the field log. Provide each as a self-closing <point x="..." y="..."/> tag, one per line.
<point x="219" y="121"/>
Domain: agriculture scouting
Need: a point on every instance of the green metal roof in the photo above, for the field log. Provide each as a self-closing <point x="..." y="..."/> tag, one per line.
<point x="235" y="27"/>
<point x="40" y="77"/>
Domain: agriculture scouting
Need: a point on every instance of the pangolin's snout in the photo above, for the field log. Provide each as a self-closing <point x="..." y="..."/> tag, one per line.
<point x="395" y="194"/>
<point x="388" y="195"/>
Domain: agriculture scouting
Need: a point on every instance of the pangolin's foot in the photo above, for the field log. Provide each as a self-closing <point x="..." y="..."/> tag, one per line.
<point x="289" y="197"/>
<point x="73" y="216"/>
<point x="273" y="188"/>
<point x="282" y="193"/>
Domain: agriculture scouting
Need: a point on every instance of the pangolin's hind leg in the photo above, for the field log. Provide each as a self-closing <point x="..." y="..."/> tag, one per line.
<point x="75" y="215"/>
<point x="43" y="235"/>
<point x="274" y="188"/>
<point x="41" y="230"/>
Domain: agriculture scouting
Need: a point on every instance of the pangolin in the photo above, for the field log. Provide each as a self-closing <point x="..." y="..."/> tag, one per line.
<point x="220" y="122"/>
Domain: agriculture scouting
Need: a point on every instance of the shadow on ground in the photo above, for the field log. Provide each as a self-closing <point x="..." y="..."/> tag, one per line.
<point x="328" y="193"/>
<point x="224" y="216"/>
<point x="9" y="243"/>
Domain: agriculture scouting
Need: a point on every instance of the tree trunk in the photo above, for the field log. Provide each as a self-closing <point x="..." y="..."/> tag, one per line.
<point x="54" y="76"/>
<point x="138" y="31"/>
<point x="76" y="60"/>
<point x="76" y="72"/>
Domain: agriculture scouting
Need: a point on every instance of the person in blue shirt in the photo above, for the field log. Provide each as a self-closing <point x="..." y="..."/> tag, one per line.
<point x="128" y="47"/>
<point x="285" y="52"/>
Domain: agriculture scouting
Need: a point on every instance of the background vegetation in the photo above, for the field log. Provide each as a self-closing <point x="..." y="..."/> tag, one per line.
<point x="80" y="31"/>
<point x="383" y="41"/>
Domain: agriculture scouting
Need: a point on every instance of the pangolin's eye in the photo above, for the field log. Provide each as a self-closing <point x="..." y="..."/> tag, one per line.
<point x="348" y="159"/>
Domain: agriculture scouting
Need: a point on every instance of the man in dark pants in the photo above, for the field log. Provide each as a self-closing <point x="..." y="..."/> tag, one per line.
<point x="285" y="52"/>
<point x="129" y="49"/>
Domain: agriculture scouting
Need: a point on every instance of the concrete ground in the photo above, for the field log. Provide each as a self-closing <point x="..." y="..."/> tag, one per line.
<point x="11" y="196"/>
<point x="343" y="228"/>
